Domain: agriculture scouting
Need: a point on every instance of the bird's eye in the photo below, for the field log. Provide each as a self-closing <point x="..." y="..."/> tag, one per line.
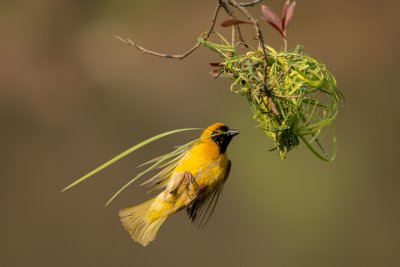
<point x="217" y="132"/>
<point x="221" y="131"/>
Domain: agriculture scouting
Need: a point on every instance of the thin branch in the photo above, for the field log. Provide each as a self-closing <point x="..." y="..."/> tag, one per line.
<point x="253" y="3"/>
<point x="241" y="39"/>
<point x="237" y="30"/>
<point x="181" y="56"/>
<point x="252" y="19"/>
<point x="225" y="4"/>
<point x="226" y="7"/>
<point x="284" y="43"/>
<point x="258" y="31"/>
<point x="261" y="46"/>
<point x="234" y="30"/>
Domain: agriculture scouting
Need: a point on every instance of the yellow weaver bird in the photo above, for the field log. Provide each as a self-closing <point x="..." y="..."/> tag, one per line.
<point x="193" y="181"/>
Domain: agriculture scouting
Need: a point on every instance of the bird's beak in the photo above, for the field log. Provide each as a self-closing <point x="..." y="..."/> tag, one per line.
<point x="233" y="132"/>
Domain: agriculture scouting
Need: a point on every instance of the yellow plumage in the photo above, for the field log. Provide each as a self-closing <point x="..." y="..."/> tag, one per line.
<point x="195" y="183"/>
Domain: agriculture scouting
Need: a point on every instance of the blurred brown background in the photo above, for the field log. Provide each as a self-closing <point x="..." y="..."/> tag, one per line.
<point x="72" y="96"/>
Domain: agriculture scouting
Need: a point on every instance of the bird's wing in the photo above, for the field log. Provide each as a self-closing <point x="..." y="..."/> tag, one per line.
<point x="169" y="162"/>
<point x="202" y="208"/>
<point x="228" y="170"/>
<point x="161" y="179"/>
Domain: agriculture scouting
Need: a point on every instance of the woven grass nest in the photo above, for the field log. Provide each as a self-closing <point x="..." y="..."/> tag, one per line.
<point x="293" y="96"/>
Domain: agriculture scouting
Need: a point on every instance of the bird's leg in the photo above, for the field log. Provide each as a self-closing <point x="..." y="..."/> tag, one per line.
<point x="186" y="179"/>
<point x="201" y="188"/>
<point x="193" y="189"/>
<point x="179" y="183"/>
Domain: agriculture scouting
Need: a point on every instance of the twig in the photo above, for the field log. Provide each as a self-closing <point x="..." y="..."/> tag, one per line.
<point x="226" y="7"/>
<point x="225" y="4"/>
<point x="259" y="34"/>
<point x="261" y="46"/>
<point x="239" y="32"/>
<point x="253" y="3"/>
<point x="284" y="43"/>
<point x="235" y="28"/>
<point x="253" y="20"/>
<point x="181" y="56"/>
<point x="234" y="31"/>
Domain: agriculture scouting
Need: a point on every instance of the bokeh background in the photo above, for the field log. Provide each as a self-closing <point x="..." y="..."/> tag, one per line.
<point x="72" y="96"/>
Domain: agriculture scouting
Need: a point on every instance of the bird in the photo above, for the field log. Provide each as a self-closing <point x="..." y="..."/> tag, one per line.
<point x="194" y="183"/>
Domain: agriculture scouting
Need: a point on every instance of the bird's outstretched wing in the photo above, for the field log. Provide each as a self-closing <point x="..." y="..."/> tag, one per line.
<point x="160" y="180"/>
<point x="201" y="209"/>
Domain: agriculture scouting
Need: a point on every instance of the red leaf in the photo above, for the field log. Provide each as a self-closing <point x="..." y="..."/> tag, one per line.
<point x="288" y="15"/>
<point x="278" y="28"/>
<point x="284" y="10"/>
<point x="215" y="64"/>
<point x="285" y="6"/>
<point x="231" y="22"/>
<point x="269" y="15"/>
<point x="215" y="73"/>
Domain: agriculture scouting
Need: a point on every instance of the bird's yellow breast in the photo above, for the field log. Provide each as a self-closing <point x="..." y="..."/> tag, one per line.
<point x="208" y="167"/>
<point x="205" y="163"/>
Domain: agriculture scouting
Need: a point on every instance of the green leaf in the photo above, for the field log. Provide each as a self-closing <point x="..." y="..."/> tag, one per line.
<point x="124" y="154"/>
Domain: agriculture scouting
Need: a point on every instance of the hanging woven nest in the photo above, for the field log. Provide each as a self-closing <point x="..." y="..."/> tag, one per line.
<point x="292" y="96"/>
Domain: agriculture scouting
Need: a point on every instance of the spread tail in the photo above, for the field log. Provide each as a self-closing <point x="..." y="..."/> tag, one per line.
<point x="141" y="228"/>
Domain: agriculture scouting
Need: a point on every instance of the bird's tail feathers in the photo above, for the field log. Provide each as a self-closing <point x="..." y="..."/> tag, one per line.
<point x="135" y="221"/>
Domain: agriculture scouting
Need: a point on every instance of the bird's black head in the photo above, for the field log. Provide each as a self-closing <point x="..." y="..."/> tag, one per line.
<point x="222" y="136"/>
